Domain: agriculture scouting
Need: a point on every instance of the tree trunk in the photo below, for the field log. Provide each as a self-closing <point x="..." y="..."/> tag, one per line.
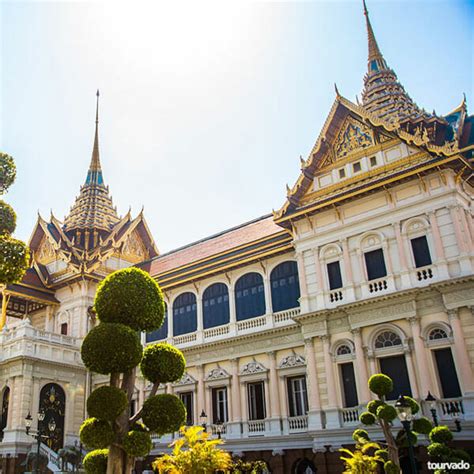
<point x="391" y="444"/>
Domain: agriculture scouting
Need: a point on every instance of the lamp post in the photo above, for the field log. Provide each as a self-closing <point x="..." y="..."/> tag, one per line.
<point x="432" y="404"/>
<point x="405" y="415"/>
<point x="454" y="412"/>
<point x="203" y="418"/>
<point x="38" y="436"/>
<point x="219" y="428"/>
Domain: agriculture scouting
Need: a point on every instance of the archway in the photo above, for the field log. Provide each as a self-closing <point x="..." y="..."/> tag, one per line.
<point x="4" y="412"/>
<point x="304" y="466"/>
<point x="53" y="403"/>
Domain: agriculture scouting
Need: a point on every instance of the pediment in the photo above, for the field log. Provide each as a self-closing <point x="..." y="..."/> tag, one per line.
<point x="45" y="254"/>
<point x="353" y="136"/>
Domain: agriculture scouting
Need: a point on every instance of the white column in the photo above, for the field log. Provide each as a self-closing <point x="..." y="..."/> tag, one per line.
<point x="349" y="283"/>
<point x="457" y="229"/>
<point x="467" y="230"/>
<point x="320" y="281"/>
<point x="232" y="310"/>
<point x="170" y="320"/>
<point x="404" y="267"/>
<point x="440" y="260"/>
<point x="274" y="409"/>
<point x="361" y="368"/>
<point x="420" y="358"/>
<point x="332" y="412"/>
<point x="411" y="374"/>
<point x="199" y="315"/>
<point x="201" y="400"/>
<point x="233" y="427"/>
<point x="304" y="303"/>
<point x="283" y="402"/>
<point x="268" y="295"/>
<point x="314" y="415"/>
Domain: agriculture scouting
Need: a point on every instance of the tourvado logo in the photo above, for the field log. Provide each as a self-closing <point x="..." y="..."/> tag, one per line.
<point x="462" y="465"/>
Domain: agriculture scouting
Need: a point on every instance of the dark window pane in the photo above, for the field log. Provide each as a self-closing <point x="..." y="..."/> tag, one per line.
<point x="421" y="251"/>
<point x="349" y="385"/>
<point x="285" y="286"/>
<point x="219" y="405"/>
<point x="297" y="396"/>
<point x="334" y="274"/>
<point x="256" y="400"/>
<point x="396" y="368"/>
<point x="375" y="264"/>
<point x="249" y="300"/>
<point x="216" y="306"/>
<point x="187" y="399"/>
<point x="64" y="329"/>
<point x="161" y="333"/>
<point x="184" y="314"/>
<point x="447" y="373"/>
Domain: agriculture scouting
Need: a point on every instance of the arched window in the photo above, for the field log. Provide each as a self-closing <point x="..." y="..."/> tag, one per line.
<point x="285" y="286"/>
<point x="387" y="339"/>
<point x="184" y="314"/>
<point x="162" y="332"/>
<point x="215" y="302"/>
<point x="249" y="296"/>
<point x="344" y="349"/>
<point x="4" y="412"/>
<point x="437" y="334"/>
<point x="53" y="404"/>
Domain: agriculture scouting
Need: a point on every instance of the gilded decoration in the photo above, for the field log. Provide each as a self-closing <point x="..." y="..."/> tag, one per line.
<point x="45" y="253"/>
<point x="133" y="248"/>
<point x="354" y="136"/>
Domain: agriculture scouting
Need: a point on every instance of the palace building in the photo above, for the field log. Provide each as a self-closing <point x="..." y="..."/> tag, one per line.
<point x="367" y="267"/>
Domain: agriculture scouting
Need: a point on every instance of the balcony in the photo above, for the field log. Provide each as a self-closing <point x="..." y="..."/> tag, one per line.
<point x="349" y="416"/>
<point x="24" y="340"/>
<point x="297" y="424"/>
<point x="256" y="427"/>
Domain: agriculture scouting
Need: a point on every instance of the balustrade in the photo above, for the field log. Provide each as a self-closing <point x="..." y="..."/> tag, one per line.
<point x="297" y="423"/>
<point x="256" y="427"/>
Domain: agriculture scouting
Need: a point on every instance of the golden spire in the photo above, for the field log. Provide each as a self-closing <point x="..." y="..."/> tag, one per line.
<point x="94" y="175"/>
<point x="375" y="60"/>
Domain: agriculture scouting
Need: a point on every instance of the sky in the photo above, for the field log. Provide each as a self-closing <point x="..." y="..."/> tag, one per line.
<point x="205" y="107"/>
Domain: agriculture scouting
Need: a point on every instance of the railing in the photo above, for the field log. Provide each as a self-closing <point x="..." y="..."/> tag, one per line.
<point x="285" y="315"/>
<point x="251" y="323"/>
<point x="297" y="423"/>
<point x="425" y="273"/>
<point x="217" y="331"/>
<point x="215" y="429"/>
<point x="335" y="296"/>
<point x="256" y="427"/>
<point x="350" y="416"/>
<point x="376" y="286"/>
<point x="451" y="408"/>
<point x="185" y="338"/>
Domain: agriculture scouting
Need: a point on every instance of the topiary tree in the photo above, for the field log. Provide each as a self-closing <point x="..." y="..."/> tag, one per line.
<point x="126" y="302"/>
<point x="194" y="453"/>
<point x="440" y="451"/>
<point x="14" y="256"/>
<point x="365" y="459"/>
<point x="381" y="413"/>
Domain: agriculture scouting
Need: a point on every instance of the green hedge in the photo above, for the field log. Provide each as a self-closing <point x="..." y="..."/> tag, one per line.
<point x="367" y="418"/>
<point x="162" y="363"/>
<point x="137" y="443"/>
<point x="14" y="259"/>
<point x="7" y="172"/>
<point x="380" y="384"/>
<point x="7" y="219"/>
<point x="111" y="348"/>
<point x="386" y="412"/>
<point x="441" y="434"/>
<point x="163" y="413"/>
<point x="422" y="426"/>
<point x="131" y="297"/>
<point x="96" y="434"/>
<point x="107" y="403"/>
<point x="95" y="462"/>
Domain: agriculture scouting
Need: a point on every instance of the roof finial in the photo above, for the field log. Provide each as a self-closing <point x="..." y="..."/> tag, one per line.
<point x="376" y="60"/>
<point x="94" y="175"/>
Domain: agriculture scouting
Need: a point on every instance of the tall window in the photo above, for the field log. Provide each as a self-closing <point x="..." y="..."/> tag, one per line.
<point x="162" y="332"/>
<point x="53" y="402"/>
<point x="285" y="286"/>
<point x="396" y="368"/>
<point x="64" y="329"/>
<point x="297" y="396"/>
<point x="249" y="296"/>
<point x="447" y="374"/>
<point x="256" y="398"/>
<point x="219" y="405"/>
<point x="187" y="399"/>
<point x="421" y="251"/>
<point x="215" y="302"/>
<point x="184" y="314"/>
<point x="375" y="264"/>
<point x="4" y="412"/>
<point x="334" y="275"/>
<point x="349" y="388"/>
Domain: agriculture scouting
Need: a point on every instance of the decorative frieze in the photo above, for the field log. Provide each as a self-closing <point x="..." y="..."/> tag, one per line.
<point x="253" y="367"/>
<point x="293" y="360"/>
<point x="217" y="373"/>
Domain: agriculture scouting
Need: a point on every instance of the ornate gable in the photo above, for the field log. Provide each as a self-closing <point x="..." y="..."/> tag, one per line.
<point x="46" y="252"/>
<point x="253" y="367"/>
<point x="293" y="360"/>
<point x="217" y="374"/>
<point x="354" y="136"/>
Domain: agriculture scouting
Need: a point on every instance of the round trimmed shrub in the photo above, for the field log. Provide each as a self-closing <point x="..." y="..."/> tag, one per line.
<point x="14" y="257"/>
<point x="422" y="425"/>
<point x="162" y="363"/>
<point x="441" y="434"/>
<point x="415" y="407"/>
<point x="391" y="468"/>
<point x="382" y="453"/>
<point x="163" y="413"/>
<point x="373" y="405"/>
<point x="96" y="434"/>
<point x="95" y="462"/>
<point x="137" y="443"/>
<point x="107" y="403"/>
<point x="386" y="412"/>
<point x="438" y="450"/>
<point x="131" y="297"/>
<point x="7" y="172"/>
<point x="367" y="418"/>
<point x="7" y="219"/>
<point x="111" y="348"/>
<point x="360" y="434"/>
<point x="380" y="384"/>
<point x="462" y="455"/>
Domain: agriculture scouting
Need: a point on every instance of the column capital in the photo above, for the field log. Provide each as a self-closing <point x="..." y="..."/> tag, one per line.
<point x="308" y="340"/>
<point x="452" y="314"/>
<point x="414" y="320"/>
<point x="278" y="452"/>
<point x="356" y="331"/>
